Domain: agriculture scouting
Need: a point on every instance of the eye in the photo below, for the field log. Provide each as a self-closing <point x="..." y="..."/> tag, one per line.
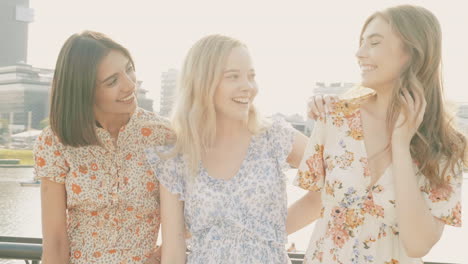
<point x="252" y="76"/>
<point x="112" y="83"/>
<point x="233" y="77"/>
<point x="375" y="43"/>
<point x="130" y="68"/>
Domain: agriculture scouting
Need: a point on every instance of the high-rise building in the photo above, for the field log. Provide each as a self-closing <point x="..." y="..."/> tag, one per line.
<point x="143" y="101"/>
<point x="462" y="117"/>
<point x="15" y="15"/>
<point x="168" y="91"/>
<point x="24" y="88"/>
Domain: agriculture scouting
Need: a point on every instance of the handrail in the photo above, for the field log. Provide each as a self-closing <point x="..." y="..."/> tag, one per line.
<point x="25" y="248"/>
<point x="29" y="248"/>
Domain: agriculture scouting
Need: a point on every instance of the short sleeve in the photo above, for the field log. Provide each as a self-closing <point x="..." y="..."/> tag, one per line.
<point x="282" y="136"/>
<point x="311" y="172"/>
<point x="167" y="169"/>
<point x="49" y="161"/>
<point x="155" y="131"/>
<point x="445" y="201"/>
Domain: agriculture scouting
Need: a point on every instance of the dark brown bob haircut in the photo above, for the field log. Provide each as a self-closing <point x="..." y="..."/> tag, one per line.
<point x="73" y="87"/>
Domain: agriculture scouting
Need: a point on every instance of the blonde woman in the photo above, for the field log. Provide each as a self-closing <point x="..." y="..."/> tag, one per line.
<point x="223" y="178"/>
<point x="388" y="165"/>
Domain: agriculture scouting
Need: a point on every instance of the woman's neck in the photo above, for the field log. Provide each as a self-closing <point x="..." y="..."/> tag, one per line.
<point x="378" y="105"/>
<point x="229" y="130"/>
<point x="112" y="122"/>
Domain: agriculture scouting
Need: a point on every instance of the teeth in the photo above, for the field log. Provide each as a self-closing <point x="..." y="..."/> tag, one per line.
<point x="241" y="100"/>
<point x="368" y="67"/>
<point x="126" y="98"/>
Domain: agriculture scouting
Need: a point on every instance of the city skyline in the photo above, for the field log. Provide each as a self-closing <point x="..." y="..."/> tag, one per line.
<point x="293" y="46"/>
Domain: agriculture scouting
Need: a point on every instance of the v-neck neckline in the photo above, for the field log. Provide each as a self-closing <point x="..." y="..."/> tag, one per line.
<point x="368" y="180"/>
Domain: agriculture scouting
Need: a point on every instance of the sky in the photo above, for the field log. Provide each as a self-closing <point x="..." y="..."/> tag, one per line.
<point x="293" y="43"/>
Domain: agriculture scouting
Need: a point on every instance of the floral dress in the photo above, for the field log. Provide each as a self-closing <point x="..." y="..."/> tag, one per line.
<point x="240" y="220"/>
<point x="112" y="194"/>
<point x="358" y="223"/>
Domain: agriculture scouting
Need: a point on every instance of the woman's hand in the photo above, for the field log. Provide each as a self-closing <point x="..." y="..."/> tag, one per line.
<point x="407" y="125"/>
<point x="318" y="105"/>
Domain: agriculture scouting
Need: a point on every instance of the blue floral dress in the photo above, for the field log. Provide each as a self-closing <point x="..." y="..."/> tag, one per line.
<point x="240" y="220"/>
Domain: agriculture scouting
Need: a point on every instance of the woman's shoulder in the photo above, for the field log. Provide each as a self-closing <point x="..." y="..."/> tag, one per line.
<point x="47" y="137"/>
<point x="154" y="127"/>
<point x="350" y="102"/>
<point x="145" y="115"/>
<point x="46" y="132"/>
<point x="164" y="156"/>
<point x="275" y="122"/>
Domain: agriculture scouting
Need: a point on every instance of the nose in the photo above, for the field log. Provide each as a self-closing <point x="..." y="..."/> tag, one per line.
<point x="361" y="52"/>
<point x="248" y="85"/>
<point x="130" y="82"/>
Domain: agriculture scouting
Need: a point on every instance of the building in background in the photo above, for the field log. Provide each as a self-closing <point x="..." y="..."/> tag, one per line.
<point x="335" y="88"/>
<point x="24" y="89"/>
<point x="297" y="121"/>
<point x="168" y="91"/>
<point x="143" y="101"/>
<point x="321" y="88"/>
<point x="462" y="117"/>
<point x="15" y="15"/>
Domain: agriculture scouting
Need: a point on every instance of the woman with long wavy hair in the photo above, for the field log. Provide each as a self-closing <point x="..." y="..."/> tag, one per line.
<point x="387" y="165"/>
<point x="223" y="178"/>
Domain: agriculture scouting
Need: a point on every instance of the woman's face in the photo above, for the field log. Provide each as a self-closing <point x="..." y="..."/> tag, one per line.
<point x="116" y="86"/>
<point x="235" y="93"/>
<point x="381" y="55"/>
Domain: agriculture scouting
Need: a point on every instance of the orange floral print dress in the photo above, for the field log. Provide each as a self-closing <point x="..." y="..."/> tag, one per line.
<point x="112" y="194"/>
<point x="358" y="223"/>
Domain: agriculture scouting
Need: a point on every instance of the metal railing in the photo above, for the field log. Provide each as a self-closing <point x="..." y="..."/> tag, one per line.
<point x="25" y="248"/>
<point x="30" y="250"/>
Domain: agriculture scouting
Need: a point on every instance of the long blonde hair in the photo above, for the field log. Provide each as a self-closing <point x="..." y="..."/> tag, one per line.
<point x="437" y="139"/>
<point x="194" y="118"/>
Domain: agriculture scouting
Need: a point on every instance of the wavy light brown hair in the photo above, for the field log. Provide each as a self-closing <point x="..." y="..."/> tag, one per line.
<point x="74" y="84"/>
<point x="437" y="146"/>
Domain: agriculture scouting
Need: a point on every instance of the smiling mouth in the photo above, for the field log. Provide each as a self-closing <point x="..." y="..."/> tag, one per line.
<point x="368" y="68"/>
<point x="241" y="100"/>
<point x="127" y="99"/>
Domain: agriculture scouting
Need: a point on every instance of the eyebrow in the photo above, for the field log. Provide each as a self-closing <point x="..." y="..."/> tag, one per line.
<point x="110" y="77"/>
<point x="234" y="70"/>
<point x="372" y="36"/>
<point x="115" y="74"/>
<point x="231" y="70"/>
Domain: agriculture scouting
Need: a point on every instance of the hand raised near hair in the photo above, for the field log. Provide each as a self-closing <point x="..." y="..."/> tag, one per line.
<point x="407" y="124"/>
<point x="319" y="105"/>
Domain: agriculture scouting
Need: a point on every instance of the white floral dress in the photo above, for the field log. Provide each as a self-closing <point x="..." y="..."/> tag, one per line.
<point x="358" y="223"/>
<point x="240" y="220"/>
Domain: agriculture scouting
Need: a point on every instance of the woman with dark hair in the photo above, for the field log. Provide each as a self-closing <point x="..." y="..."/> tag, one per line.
<point x="100" y="199"/>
